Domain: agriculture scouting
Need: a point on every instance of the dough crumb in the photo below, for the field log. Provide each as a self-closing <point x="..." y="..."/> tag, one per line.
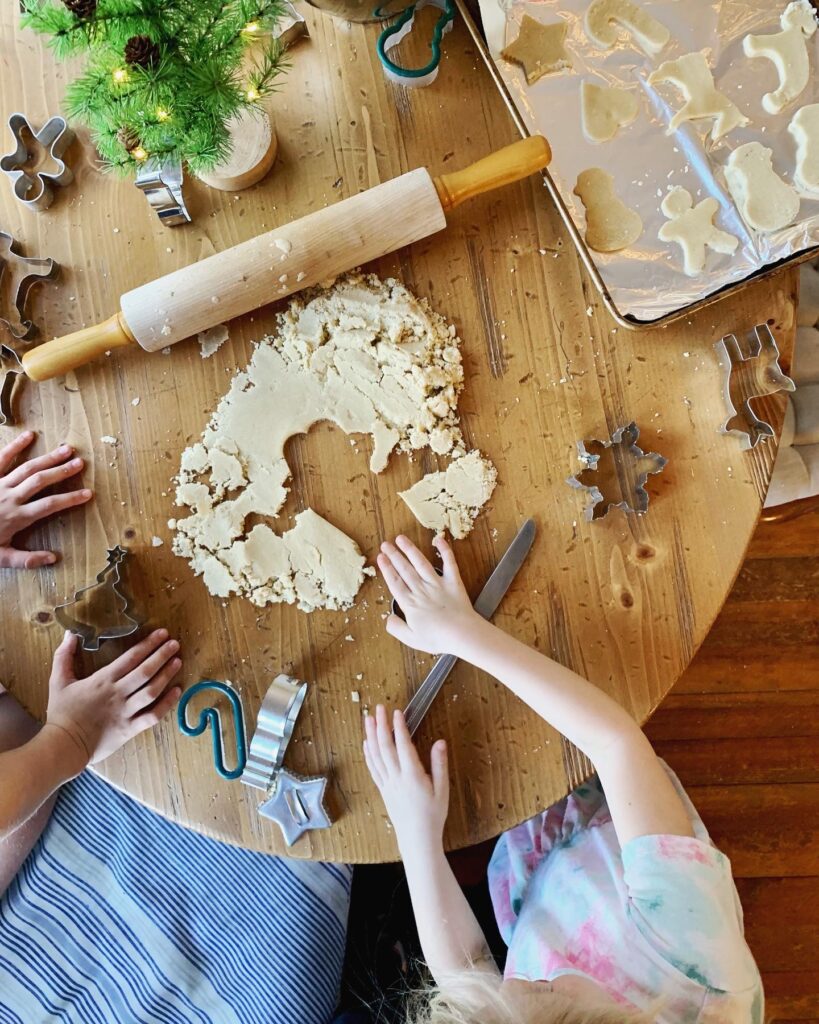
<point x="355" y="696"/>
<point x="212" y="340"/>
<point x="108" y="439"/>
<point x="451" y="499"/>
<point x="157" y="542"/>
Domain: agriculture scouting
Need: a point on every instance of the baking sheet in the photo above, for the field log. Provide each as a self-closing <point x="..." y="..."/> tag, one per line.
<point x="646" y="281"/>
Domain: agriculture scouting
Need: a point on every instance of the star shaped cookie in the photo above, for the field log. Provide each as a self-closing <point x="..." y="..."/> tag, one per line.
<point x="539" y="49"/>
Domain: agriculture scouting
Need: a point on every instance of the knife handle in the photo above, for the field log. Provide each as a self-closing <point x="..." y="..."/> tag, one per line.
<point x="426" y="693"/>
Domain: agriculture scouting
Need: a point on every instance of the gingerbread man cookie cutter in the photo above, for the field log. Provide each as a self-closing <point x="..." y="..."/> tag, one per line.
<point x="35" y="188"/>
<point x="36" y="269"/>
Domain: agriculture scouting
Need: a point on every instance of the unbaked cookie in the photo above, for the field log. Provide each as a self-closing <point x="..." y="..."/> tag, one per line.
<point x="691" y="227"/>
<point x="610" y="224"/>
<point x="539" y="48"/>
<point x="604" y="110"/>
<point x="804" y="127"/>
<point x="692" y="76"/>
<point x="603" y="17"/>
<point x="451" y="499"/>
<point x="788" y="51"/>
<point x="765" y="201"/>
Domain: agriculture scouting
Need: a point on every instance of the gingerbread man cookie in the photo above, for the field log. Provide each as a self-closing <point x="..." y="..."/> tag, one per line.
<point x="788" y="51"/>
<point x="604" y="110"/>
<point x="603" y="17"/>
<point x="804" y="127"/>
<point x="610" y="224"/>
<point x="765" y="201"/>
<point x="692" y="76"/>
<point x="539" y="48"/>
<point x="691" y="227"/>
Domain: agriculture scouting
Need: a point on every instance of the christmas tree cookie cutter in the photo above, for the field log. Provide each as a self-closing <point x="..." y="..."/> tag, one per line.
<point x="212" y="717"/>
<point x="751" y="370"/>
<point x="35" y="188"/>
<point x="632" y="467"/>
<point x="99" y="611"/>
<point x="28" y="271"/>
<point x="393" y="34"/>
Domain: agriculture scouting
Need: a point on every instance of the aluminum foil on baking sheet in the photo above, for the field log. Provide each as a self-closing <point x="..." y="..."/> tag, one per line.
<point x="646" y="281"/>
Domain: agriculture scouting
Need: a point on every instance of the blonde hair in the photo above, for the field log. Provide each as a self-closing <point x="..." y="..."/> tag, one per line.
<point x="476" y="997"/>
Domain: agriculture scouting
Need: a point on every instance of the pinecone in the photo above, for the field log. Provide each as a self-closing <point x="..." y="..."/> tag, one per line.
<point x="141" y="50"/>
<point x="128" y="138"/>
<point x="82" y="9"/>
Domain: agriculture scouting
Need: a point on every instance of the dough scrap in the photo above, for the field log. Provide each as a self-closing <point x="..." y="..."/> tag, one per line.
<point x="692" y="76"/>
<point x="602" y="16"/>
<point x="366" y="355"/>
<point x="804" y="127"/>
<point x="692" y="228"/>
<point x="450" y="499"/>
<point x="610" y="224"/>
<point x="765" y="201"/>
<point x="539" y="49"/>
<point x="788" y="51"/>
<point x="604" y="110"/>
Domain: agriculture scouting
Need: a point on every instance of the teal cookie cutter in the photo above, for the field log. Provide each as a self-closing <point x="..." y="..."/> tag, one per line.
<point x="393" y="34"/>
<point x="212" y="717"/>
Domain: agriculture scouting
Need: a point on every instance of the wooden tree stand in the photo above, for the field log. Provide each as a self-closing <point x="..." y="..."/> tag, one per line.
<point x="253" y="154"/>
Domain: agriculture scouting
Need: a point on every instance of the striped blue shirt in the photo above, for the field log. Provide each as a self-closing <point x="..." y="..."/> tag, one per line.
<point x="119" y="915"/>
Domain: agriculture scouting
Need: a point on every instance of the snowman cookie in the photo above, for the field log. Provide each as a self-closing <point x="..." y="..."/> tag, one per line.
<point x="765" y="201"/>
<point x="610" y="224"/>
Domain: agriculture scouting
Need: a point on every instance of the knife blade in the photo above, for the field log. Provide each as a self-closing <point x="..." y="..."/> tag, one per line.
<point x="486" y="605"/>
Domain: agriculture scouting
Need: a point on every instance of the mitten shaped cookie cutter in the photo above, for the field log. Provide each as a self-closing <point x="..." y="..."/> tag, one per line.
<point x="633" y="467"/>
<point x="36" y="269"/>
<point x="99" y="611"/>
<point x="33" y="188"/>
<point x="393" y="34"/>
<point x="756" y="374"/>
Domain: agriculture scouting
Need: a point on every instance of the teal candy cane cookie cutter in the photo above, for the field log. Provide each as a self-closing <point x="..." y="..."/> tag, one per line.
<point x="210" y="716"/>
<point x="393" y="34"/>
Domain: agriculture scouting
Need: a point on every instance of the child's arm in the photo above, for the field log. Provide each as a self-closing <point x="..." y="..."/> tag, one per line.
<point x="87" y="720"/>
<point x="451" y="937"/>
<point x="440" y="618"/>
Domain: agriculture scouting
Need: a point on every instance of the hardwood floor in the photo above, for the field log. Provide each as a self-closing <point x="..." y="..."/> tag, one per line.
<point x="741" y="730"/>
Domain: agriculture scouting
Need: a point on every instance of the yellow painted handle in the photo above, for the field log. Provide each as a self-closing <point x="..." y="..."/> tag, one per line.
<point x="499" y="168"/>
<point x="53" y="358"/>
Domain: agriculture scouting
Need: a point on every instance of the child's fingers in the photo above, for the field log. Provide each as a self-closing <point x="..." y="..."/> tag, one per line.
<point x="416" y="559"/>
<point x="146" y="695"/>
<point x="395" y="584"/>
<point x="447" y="557"/>
<point x="37" y="482"/>
<point x="372" y="768"/>
<point x="439" y="768"/>
<point x="386" y="744"/>
<point x="148" y="719"/>
<point x="134" y="657"/>
<point x="401" y="565"/>
<point x="13" y="558"/>
<point x="135" y="680"/>
<point x="399" y="629"/>
<point x="33" y="511"/>
<point x="31" y="466"/>
<point x="407" y="754"/>
<point x="10" y="451"/>
<point x="62" y="665"/>
<point x="373" y="751"/>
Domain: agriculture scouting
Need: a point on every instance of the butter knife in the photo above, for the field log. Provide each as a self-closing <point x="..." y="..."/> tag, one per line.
<point x="486" y="606"/>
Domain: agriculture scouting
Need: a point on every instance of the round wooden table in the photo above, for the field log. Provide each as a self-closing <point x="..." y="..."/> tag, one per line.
<point x="625" y="601"/>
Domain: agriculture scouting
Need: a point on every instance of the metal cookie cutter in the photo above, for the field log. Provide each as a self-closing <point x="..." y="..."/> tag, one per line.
<point x="393" y="34"/>
<point x="211" y="717"/>
<point x="291" y="26"/>
<point x="632" y="465"/>
<point x="162" y="185"/>
<point x="747" y="377"/>
<point x="99" y="611"/>
<point x="296" y="803"/>
<point x="28" y="271"/>
<point x="33" y="188"/>
<point x="11" y="369"/>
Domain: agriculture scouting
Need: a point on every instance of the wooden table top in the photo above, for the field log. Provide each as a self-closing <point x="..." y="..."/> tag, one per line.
<point x="625" y="601"/>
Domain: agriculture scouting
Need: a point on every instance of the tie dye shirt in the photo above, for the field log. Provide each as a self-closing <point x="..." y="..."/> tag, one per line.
<point x="659" y="918"/>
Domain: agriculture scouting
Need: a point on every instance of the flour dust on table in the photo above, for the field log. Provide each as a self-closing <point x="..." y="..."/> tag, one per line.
<point x="364" y="354"/>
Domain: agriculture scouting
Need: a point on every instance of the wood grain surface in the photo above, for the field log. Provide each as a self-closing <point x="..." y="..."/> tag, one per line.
<point x="625" y="601"/>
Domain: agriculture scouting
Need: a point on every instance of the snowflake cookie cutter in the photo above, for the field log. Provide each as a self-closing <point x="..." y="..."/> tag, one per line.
<point x="35" y="188"/>
<point x="99" y="611"/>
<point x="632" y="467"/>
<point x="751" y="370"/>
<point x="30" y="270"/>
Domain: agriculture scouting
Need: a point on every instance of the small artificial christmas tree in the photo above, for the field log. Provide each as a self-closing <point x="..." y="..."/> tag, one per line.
<point x="163" y="77"/>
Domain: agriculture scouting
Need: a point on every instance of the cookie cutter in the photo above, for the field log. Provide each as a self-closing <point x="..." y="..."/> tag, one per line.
<point x="212" y="717"/>
<point x="633" y="467"/>
<point x="35" y="189"/>
<point x="11" y="369"/>
<point x="99" y="611"/>
<point x="161" y="182"/>
<point x="291" y="26"/>
<point x="756" y="374"/>
<point x="37" y="269"/>
<point x="393" y="34"/>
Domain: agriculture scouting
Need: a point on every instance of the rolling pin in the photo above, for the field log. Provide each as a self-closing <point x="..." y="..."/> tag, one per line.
<point x="286" y="259"/>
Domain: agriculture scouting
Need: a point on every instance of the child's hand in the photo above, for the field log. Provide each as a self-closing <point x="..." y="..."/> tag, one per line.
<point x="106" y="709"/>
<point x="417" y="803"/>
<point x="18" y="489"/>
<point x="437" y="609"/>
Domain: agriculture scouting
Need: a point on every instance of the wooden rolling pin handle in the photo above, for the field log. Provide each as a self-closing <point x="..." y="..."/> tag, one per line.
<point x="54" y="358"/>
<point x="500" y="168"/>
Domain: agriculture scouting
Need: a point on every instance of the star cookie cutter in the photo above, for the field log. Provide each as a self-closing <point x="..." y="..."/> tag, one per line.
<point x="99" y="611"/>
<point x="31" y="270"/>
<point x="751" y="370"/>
<point x="34" y="188"/>
<point x="11" y="369"/>
<point x="632" y="467"/>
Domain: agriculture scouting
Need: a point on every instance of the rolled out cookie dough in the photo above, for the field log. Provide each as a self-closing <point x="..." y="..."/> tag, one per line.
<point x="765" y="201"/>
<point x="539" y="48"/>
<point x="366" y="355"/>
<point x="788" y="51"/>
<point x="604" y="110"/>
<point x="692" y="76"/>
<point x="450" y="499"/>
<point x="610" y="224"/>
<point x="804" y="127"/>
<point x="692" y="228"/>
<point x="603" y="16"/>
